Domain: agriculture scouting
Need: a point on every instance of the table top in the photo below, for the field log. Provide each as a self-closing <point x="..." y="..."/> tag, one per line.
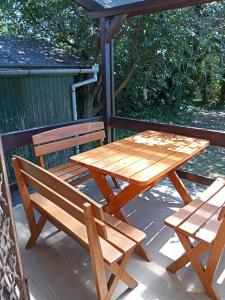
<point x="143" y="158"/>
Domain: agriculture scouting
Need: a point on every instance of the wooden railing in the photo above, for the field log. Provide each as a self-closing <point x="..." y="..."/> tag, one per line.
<point x="216" y="138"/>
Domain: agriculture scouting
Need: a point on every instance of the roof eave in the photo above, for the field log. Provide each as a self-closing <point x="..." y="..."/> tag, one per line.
<point x="150" y="6"/>
<point x="90" y="5"/>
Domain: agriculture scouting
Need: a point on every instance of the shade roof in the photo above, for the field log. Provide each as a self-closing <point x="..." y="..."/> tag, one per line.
<point x="110" y="3"/>
<point x="110" y="8"/>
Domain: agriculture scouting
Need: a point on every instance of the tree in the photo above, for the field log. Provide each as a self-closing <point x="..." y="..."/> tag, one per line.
<point x="177" y="55"/>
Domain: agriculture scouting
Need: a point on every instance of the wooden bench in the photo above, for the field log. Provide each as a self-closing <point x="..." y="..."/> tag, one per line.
<point x="202" y="220"/>
<point x="109" y="240"/>
<point x="64" y="138"/>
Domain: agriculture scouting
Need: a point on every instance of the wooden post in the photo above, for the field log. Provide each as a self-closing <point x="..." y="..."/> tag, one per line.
<point x="107" y="79"/>
<point x="113" y="108"/>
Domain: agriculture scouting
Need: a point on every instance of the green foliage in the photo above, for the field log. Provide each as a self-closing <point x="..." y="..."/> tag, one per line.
<point x="178" y="56"/>
<point x="181" y="57"/>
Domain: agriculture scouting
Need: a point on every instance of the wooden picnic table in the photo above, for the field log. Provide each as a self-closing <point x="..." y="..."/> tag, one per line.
<point x="142" y="161"/>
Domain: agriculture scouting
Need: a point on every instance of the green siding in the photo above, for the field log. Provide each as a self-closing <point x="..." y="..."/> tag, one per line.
<point x="27" y="102"/>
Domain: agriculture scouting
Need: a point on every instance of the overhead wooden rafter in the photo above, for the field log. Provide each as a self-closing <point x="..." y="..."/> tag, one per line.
<point x="135" y="8"/>
<point x="114" y="27"/>
<point x="90" y="5"/>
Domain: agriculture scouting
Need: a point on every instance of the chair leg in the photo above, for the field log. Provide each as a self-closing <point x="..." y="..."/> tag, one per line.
<point x="37" y="230"/>
<point x="199" y="268"/>
<point x="213" y="260"/>
<point x="185" y="258"/>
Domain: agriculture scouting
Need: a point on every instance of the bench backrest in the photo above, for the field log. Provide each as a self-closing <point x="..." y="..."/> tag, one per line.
<point x="55" y="190"/>
<point x="67" y="137"/>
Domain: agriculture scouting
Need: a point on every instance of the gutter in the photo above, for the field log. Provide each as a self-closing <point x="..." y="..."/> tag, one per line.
<point x="44" y="72"/>
<point x="94" y="70"/>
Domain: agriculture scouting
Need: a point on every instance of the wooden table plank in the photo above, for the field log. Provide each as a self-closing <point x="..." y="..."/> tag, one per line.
<point x="155" y="155"/>
<point x="162" y="167"/>
<point x="142" y="157"/>
<point x="94" y="156"/>
<point x="165" y="140"/>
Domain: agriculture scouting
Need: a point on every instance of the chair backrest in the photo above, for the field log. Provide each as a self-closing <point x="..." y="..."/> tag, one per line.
<point x="55" y="190"/>
<point x="67" y="137"/>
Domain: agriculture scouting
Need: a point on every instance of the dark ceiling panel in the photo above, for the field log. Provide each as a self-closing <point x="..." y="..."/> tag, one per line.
<point x="110" y="4"/>
<point x="146" y="6"/>
<point x="90" y="5"/>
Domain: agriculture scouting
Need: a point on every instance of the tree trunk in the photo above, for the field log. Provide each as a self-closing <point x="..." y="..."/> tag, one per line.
<point x="205" y="87"/>
<point x="222" y="90"/>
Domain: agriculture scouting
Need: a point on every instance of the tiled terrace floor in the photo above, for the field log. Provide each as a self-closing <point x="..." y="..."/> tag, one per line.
<point x="58" y="268"/>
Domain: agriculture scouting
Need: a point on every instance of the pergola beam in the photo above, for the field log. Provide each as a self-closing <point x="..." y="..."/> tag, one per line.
<point x="148" y="6"/>
<point x="90" y="5"/>
<point x="114" y="27"/>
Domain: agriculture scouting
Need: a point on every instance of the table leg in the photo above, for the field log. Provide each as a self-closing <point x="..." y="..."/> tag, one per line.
<point x="139" y="248"/>
<point x="116" y="202"/>
<point x="178" y="184"/>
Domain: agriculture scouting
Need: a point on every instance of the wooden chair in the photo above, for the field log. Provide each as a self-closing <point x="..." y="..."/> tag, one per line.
<point x="202" y="220"/>
<point x="69" y="137"/>
<point x="109" y="241"/>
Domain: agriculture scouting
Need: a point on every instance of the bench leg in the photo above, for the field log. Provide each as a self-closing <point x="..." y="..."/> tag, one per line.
<point x="119" y="275"/>
<point x="36" y="232"/>
<point x="126" y="278"/>
<point x="139" y="249"/>
<point x="199" y="268"/>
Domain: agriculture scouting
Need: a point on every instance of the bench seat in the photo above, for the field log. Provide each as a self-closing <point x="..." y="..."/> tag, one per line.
<point x="69" y="171"/>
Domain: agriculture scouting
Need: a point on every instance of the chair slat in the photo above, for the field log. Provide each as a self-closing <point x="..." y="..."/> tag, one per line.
<point x="60" y="167"/>
<point x="204" y="213"/>
<point x="67" y="131"/>
<point x="63" y="170"/>
<point x="68" y="143"/>
<point x="179" y="217"/>
<point x="208" y="232"/>
<point x="75" y="173"/>
<point x="131" y="232"/>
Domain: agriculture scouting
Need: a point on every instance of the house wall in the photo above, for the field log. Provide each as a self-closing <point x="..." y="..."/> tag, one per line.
<point x="27" y="102"/>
